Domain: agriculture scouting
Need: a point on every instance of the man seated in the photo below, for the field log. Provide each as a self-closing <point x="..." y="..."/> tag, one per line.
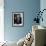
<point x="27" y="41"/>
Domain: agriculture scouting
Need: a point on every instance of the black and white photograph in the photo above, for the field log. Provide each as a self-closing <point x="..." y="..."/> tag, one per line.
<point x="18" y="18"/>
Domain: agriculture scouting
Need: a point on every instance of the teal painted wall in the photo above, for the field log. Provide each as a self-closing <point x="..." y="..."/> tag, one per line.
<point x="29" y="7"/>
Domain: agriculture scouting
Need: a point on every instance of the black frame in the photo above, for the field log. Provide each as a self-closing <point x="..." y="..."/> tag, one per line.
<point x="13" y="25"/>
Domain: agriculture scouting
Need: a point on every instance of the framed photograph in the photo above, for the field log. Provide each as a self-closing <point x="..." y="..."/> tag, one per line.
<point x="17" y="19"/>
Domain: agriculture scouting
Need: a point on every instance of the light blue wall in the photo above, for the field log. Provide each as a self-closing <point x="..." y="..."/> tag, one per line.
<point x="29" y="7"/>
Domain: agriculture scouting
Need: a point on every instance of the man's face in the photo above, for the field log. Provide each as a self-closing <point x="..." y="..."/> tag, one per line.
<point x="18" y="16"/>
